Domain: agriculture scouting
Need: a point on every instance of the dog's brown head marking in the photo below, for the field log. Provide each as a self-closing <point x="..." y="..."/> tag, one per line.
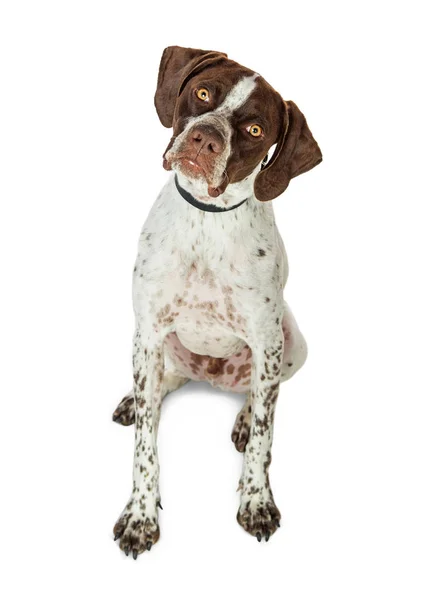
<point x="225" y="118"/>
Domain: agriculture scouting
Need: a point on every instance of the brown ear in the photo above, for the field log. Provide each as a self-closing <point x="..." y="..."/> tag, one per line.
<point x="296" y="152"/>
<point x="176" y="66"/>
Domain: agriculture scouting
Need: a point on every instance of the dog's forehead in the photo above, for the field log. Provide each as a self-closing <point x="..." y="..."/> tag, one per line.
<point x="237" y="87"/>
<point x="239" y="94"/>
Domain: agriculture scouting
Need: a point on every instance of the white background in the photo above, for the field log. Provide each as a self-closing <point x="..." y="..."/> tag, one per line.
<point x="80" y="166"/>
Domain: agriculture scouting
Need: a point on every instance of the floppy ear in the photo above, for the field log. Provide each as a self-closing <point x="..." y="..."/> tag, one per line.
<point x="176" y="67"/>
<point x="296" y="152"/>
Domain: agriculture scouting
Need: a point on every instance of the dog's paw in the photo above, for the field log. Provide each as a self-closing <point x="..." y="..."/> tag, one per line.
<point x="137" y="529"/>
<point x="259" y="517"/>
<point x="125" y="412"/>
<point x="241" y="429"/>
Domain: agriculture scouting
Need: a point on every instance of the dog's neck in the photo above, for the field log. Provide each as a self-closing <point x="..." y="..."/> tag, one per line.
<point x="234" y="194"/>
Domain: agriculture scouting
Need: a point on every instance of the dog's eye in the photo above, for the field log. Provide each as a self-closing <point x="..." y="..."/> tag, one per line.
<point x="203" y="94"/>
<point x="255" y="130"/>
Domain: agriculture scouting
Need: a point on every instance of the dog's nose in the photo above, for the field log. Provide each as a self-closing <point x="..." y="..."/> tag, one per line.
<point x="206" y="141"/>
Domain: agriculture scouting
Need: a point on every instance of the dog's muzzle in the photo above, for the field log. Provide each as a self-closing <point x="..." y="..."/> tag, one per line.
<point x="202" y="151"/>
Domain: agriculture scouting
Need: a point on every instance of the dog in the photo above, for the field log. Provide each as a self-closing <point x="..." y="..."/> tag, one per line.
<point x="210" y="272"/>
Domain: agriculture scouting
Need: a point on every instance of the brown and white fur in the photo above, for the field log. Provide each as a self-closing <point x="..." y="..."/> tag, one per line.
<point x="208" y="286"/>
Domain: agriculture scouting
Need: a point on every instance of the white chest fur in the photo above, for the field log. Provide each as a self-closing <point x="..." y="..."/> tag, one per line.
<point x="208" y="276"/>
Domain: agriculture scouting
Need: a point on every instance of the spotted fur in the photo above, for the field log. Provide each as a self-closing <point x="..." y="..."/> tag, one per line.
<point x="241" y="429"/>
<point x="208" y="303"/>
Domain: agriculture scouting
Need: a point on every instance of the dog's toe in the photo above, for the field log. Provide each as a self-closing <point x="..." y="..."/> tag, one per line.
<point x="137" y="531"/>
<point x="260" y="519"/>
<point x="241" y="430"/>
<point x="125" y="412"/>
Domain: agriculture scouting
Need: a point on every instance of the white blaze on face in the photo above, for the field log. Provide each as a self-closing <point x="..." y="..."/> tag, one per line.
<point x="219" y="118"/>
<point x="238" y="95"/>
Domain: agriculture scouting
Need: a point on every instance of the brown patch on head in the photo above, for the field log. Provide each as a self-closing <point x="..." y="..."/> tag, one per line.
<point x="176" y="67"/>
<point x="183" y="73"/>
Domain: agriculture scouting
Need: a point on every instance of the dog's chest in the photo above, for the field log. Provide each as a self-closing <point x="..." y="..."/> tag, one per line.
<point x="205" y="276"/>
<point x="208" y="314"/>
<point x="192" y="293"/>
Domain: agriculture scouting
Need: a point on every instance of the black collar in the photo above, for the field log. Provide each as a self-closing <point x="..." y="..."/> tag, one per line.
<point x="206" y="207"/>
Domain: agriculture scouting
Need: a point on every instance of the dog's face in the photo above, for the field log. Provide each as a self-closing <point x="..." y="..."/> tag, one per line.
<point x="225" y="118"/>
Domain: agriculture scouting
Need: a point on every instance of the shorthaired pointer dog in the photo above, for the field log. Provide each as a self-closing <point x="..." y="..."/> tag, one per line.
<point x="210" y="272"/>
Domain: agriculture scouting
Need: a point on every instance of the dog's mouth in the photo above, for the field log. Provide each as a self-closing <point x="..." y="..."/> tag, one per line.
<point x="188" y="165"/>
<point x="193" y="168"/>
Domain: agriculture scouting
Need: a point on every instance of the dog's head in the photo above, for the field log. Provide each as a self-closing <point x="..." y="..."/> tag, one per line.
<point x="225" y="118"/>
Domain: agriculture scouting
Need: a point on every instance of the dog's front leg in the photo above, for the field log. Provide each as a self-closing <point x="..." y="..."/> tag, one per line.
<point x="137" y="526"/>
<point x="258" y="513"/>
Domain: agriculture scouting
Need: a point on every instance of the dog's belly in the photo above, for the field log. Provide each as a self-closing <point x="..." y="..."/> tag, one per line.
<point x="209" y="329"/>
<point x="232" y="372"/>
<point x="208" y="339"/>
<point x="207" y="316"/>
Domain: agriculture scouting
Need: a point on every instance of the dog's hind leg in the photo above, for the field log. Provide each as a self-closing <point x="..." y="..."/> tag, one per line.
<point x="241" y="429"/>
<point x="125" y="411"/>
